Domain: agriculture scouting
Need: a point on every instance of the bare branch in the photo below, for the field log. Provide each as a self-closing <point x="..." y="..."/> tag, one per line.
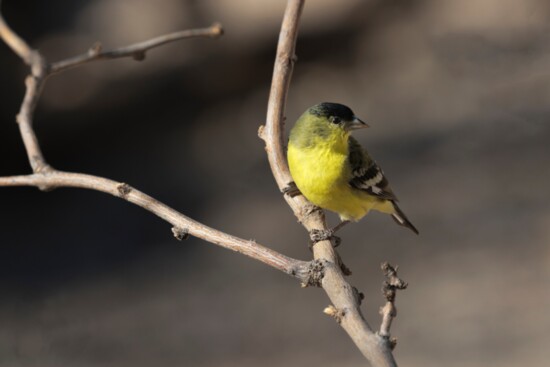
<point x="325" y="270"/>
<point x="137" y="50"/>
<point x="34" y="84"/>
<point x="389" y="289"/>
<point x="16" y="43"/>
<point x="344" y="297"/>
<point x="54" y="179"/>
<point x="41" y="70"/>
<point x="24" y="120"/>
<point x="46" y="178"/>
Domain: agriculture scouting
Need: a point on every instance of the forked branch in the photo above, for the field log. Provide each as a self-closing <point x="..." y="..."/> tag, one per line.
<point x="46" y="177"/>
<point x="137" y="50"/>
<point x="389" y="288"/>
<point x="181" y="223"/>
<point x="325" y="270"/>
<point x="345" y="299"/>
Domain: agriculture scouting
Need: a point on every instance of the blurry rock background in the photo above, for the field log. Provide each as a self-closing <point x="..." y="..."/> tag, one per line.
<point x="458" y="96"/>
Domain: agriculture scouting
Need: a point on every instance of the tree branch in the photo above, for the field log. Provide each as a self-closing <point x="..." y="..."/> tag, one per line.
<point x="325" y="270"/>
<point x="390" y="287"/>
<point x="24" y="119"/>
<point x="344" y="297"/>
<point x="34" y="84"/>
<point x="181" y="223"/>
<point x="16" y="43"/>
<point x="41" y="70"/>
<point x="137" y="50"/>
<point x="46" y="177"/>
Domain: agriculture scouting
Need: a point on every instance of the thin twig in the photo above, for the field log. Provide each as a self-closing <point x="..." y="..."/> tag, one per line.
<point x="55" y="179"/>
<point x="137" y="50"/>
<point x="343" y="296"/>
<point x="46" y="177"/>
<point x="41" y="70"/>
<point x="389" y="288"/>
<point x="16" y="43"/>
<point x="34" y="83"/>
<point x="324" y="271"/>
<point x="24" y="119"/>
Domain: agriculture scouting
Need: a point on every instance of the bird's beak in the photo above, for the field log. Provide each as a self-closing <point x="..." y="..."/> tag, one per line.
<point x="356" y="124"/>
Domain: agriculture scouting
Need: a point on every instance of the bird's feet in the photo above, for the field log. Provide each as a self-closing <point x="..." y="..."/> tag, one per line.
<point x="291" y="190"/>
<point x="318" y="235"/>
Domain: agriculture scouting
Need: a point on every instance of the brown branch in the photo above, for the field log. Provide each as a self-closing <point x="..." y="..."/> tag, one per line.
<point x="343" y="296"/>
<point x="325" y="270"/>
<point x="54" y="179"/>
<point x="34" y="83"/>
<point x="137" y="50"/>
<point x="24" y="119"/>
<point x="16" y="43"/>
<point x="389" y="288"/>
<point x="46" y="178"/>
<point x="41" y="70"/>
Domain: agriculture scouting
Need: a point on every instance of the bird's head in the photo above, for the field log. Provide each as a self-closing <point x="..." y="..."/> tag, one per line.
<point x="336" y="115"/>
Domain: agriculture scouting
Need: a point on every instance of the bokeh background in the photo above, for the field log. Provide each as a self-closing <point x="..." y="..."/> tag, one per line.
<point x="458" y="96"/>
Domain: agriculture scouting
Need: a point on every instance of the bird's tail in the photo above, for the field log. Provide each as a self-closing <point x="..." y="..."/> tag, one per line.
<point x="400" y="218"/>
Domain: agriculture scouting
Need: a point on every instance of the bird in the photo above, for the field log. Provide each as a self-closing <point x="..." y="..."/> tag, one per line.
<point x="333" y="171"/>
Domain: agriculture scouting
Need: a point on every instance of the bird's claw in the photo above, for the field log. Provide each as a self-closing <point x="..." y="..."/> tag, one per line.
<point x="291" y="190"/>
<point x="318" y="235"/>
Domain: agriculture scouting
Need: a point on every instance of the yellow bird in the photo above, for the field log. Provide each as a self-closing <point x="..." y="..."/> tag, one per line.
<point x="333" y="171"/>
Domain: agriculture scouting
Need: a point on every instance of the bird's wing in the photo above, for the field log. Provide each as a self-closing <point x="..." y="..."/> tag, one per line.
<point x="366" y="174"/>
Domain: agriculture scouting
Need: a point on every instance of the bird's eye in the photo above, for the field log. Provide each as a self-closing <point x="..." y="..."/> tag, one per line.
<point x="335" y="120"/>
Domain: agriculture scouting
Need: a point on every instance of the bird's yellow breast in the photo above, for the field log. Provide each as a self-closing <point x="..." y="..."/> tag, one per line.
<point x="322" y="173"/>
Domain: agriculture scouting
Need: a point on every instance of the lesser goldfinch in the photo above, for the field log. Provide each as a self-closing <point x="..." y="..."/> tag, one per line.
<point x="333" y="171"/>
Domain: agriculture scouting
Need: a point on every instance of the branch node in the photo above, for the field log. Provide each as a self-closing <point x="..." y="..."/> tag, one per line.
<point x="124" y="190"/>
<point x="217" y="30"/>
<point x="359" y="296"/>
<point x="337" y="314"/>
<point x="345" y="270"/>
<point x="389" y="311"/>
<point x="41" y="167"/>
<point x="180" y="233"/>
<point x="301" y="272"/>
<point x="261" y="132"/>
<point x="95" y="50"/>
<point x="393" y="282"/>
<point x="315" y="273"/>
<point x="39" y="65"/>
<point x="389" y="340"/>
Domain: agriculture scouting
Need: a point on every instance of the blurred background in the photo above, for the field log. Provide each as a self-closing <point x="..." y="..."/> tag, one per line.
<point x="457" y="94"/>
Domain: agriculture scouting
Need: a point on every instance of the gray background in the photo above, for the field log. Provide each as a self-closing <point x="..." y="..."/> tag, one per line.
<point x="457" y="94"/>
